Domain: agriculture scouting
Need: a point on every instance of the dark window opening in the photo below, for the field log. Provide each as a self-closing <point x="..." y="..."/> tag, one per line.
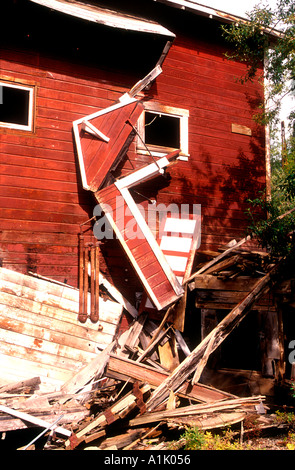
<point x="162" y="130"/>
<point x="14" y="108"/>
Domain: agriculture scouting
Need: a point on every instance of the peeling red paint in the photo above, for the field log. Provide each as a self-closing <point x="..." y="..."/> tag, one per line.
<point x="38" y="342"/>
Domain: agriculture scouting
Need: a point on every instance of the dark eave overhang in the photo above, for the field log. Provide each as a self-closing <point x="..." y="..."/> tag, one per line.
<point x="104" y="16"/>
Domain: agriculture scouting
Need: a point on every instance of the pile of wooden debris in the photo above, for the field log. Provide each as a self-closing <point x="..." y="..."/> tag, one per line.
<point x="136" y="387"/>
<point x="113" y="402"/>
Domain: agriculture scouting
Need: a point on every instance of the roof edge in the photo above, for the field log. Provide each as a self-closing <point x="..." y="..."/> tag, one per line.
<point x="105" y="16"/>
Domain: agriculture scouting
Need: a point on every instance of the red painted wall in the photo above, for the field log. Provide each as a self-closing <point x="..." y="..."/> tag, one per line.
<point x="224" y="168"/>
<point x="42" y="201"/>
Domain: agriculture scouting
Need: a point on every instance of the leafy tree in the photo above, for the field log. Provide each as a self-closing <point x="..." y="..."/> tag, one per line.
<point x="268" y="36"/>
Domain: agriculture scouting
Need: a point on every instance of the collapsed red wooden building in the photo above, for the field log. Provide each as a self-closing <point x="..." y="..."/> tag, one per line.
<point x="139" y="105"/>
<point x="63" y="60"/>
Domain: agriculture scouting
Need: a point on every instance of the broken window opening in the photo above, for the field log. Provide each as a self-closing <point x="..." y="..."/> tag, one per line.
<point x="16" y="109"/>
<point x="163" y="129"/>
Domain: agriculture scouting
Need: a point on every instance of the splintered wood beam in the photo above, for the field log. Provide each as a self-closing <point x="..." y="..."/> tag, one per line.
<point x="209" y="344"/>
<point x="199" y="409"/>
<point x="212" y="262"/>
<point x="117" y="411"/>
<point x="233" y="247"/>
<point x="125" y="369"/>
<point x="34" y="420"/>
<point x="95" y="368"/>
<point x="141" y="84"/>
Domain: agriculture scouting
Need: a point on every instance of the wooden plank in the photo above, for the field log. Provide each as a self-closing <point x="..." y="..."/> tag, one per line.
<point x="214" y="421"/>
<point x="20" y="386"/>
<point x="239" y="129"/>
<point x="199" y="409"/>
<point x="12" y="327"/>
<point x="9" y="423"/>
<point x="210" y="343"/>
<point x="48" y="315"/>
<point x="134" y="332"/>
<point x="210" y="282"/>
<point x="39" y="294"/>
<point x="20" y="363"/>
<point x="219" y="257"/>
<point x="34" y="420"/>
<point x="94" y="368"/>
<point x="168" y="354"/>
<point x="125" y="369"/>
<point x="226" y="300"/>
<point x="119" y="410"/>
<point x="49" y="345"/>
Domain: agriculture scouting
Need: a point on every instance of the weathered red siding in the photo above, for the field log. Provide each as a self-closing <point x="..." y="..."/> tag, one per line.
<point x="42" y="201"/>
<point x="224" y="169"/>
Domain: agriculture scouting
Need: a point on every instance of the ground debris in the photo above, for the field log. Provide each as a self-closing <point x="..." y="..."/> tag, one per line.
<point x="146" y="384"/>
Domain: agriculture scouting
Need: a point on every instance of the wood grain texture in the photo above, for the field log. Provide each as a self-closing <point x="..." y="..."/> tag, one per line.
<point x="40" y="334"/>
<point x="42" y="199"/>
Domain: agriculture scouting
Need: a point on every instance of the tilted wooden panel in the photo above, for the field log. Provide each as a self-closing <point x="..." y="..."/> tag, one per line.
<point x="96" y="155"/>
<point x="158" y="285"/>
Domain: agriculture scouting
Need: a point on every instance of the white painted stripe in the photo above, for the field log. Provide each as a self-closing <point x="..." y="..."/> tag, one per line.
<point x="179" y="244"/>
<point x="177" y="263"/>
<point x="179" y="225"/>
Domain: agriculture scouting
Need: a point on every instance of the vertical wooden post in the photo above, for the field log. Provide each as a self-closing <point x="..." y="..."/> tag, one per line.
<point x="82" y="311"/>
<point x="97" y="281"/>
<point x="94" y="260"/>
<point x="281" y="369"/>
<point x="92" y="271"/>
<point x="85" y="285"/>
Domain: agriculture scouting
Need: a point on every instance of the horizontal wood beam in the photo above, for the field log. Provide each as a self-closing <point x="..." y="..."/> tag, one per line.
<point x="125" y="369"/>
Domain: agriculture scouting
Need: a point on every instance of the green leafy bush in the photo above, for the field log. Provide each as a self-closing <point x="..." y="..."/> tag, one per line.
<point x="197" y="439"/>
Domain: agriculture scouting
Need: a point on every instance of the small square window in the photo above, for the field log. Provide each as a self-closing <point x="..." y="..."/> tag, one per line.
<point x="163" y="129"/>
<point x="16" y="106"/>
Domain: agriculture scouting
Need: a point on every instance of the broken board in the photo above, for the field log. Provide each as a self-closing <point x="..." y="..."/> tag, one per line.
<point x="142" y="249"/>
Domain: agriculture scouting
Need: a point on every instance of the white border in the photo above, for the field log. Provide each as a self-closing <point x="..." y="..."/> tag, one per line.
<point x="156" y="151"/>
<point x="31" y="89"/>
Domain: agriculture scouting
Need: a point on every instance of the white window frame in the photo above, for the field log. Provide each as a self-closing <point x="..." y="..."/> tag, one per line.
<point x="31" y="89"/>
<point x="158" y="151"/>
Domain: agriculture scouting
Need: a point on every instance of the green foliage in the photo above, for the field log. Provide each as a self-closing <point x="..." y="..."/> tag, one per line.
<point x="259" y="40"/>
<point x="267" y="38"/>
<point x="272" y="231"/>
<point x="197" y="439"/>
<point x="287" y="418"/>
